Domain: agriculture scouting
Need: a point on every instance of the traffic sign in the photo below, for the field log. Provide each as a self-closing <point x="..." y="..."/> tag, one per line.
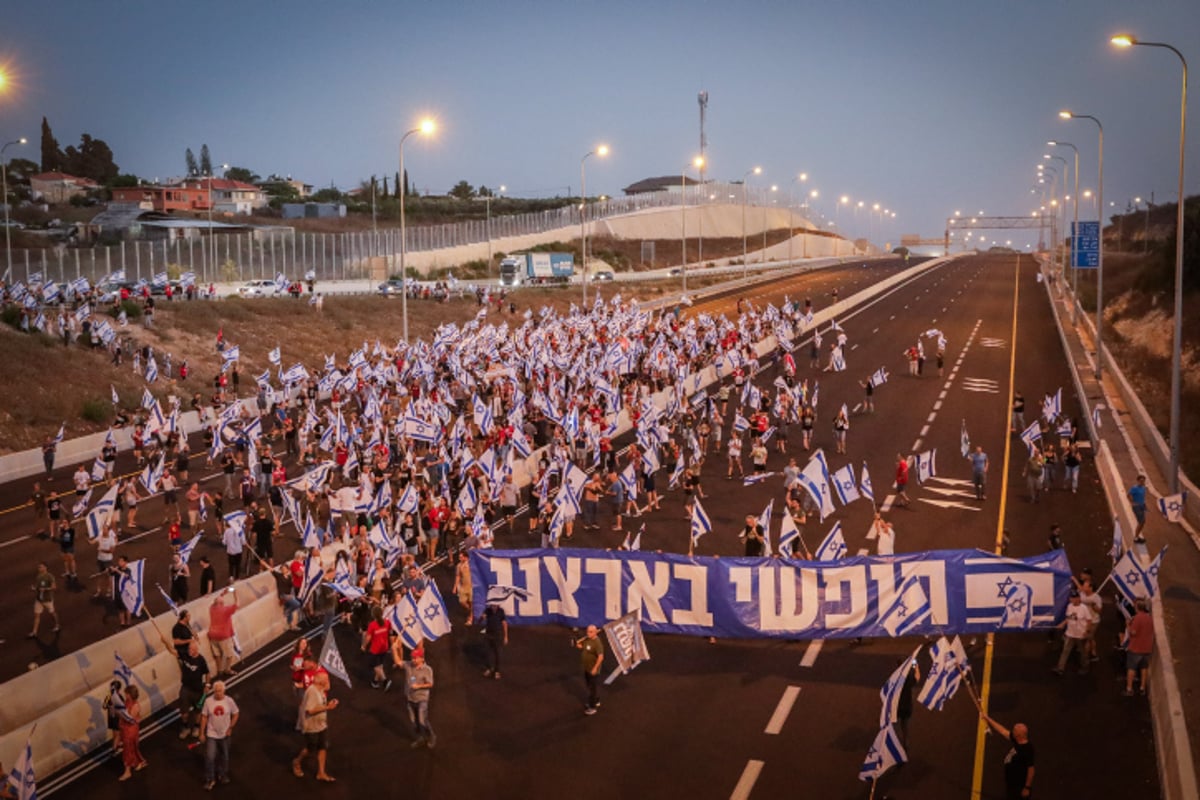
<point x="1085" y="245"/>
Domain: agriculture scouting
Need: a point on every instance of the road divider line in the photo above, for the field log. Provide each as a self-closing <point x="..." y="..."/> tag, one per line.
<point x="811" y="652"/>
<point x="746" y="782"/>
<point x="785" y="704"/>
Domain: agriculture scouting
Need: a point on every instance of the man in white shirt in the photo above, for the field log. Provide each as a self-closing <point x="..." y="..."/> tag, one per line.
<point x="885" y="537"/>
<point x="83" y="480"/>
<point x="217" y="720"/>
<point x="1079" y="618"/>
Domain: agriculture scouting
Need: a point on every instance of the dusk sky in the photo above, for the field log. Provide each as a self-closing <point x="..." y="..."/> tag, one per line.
<point x="923" y="106"/>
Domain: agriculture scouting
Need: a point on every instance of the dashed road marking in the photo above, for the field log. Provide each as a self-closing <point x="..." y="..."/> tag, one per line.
<point x="785" y="706"/>
<point x="811" y="653"/>
<point x="746" y="782"/>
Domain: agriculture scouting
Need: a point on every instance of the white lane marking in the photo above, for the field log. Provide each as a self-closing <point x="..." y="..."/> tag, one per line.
<point x="916" y="446"/>
<point x="785" y="705"/>
<point x="932" y="416"/>
<point x="942" y="396"/>
<point x="854" y="347"/>
<point x="893" y="316"/>
<point x="887" y="505"/>
<point x="875" y="331"/>
<point x="811" y="653"/>
<point x="937" y="406"/>
<point x="924" y="431"/>
<point x="746" y="782"/>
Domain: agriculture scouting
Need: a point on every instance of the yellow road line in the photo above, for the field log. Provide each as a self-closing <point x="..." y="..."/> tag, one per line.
<point x="986" y="687"/>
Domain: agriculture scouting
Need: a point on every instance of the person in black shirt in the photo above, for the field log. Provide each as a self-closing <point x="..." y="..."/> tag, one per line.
<point x="208" y="577"/>
<point x="753" y="534"/>
<point x="1018" y="764"/>
<point x="182" y="634"/>
<point x="264" y="532"/>
<point x="495" y="626"/>
<point x="66" y="543"/>
<point x="904" y="707"/>
<point x="193" y="683"/>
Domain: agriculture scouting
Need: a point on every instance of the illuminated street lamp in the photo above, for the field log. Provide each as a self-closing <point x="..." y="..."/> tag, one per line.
<point x="1100" y="259"/>
<point x="1125" y="40"/>
<point x="426" y="128"/>
<point x="745" y="185"/>
<point x="1075" y="231"/>
<point x="698" y="163"/>
<point x="4" y="197"/>
<point x="601" y="151"/>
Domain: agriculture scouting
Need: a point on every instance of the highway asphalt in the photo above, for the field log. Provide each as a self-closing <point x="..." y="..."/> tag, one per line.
<point x="694" y="720"/>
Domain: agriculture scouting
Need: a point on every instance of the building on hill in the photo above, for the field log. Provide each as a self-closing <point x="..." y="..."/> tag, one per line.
<point x="313" y="210"/>
<point x="219" y="195"/>
<point x="59" y="187"/>
<point x="666" y="183"/>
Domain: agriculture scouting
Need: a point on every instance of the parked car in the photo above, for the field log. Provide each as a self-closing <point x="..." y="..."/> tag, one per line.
<point x="602" y="275"/>
<point x="675" y="271"/>
<point x="259" y="288"/>
<point x="392" y="286"/>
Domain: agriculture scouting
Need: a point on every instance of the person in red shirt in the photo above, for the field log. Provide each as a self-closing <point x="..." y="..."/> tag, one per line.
<point x="220" y="631"/>
<point x="901" y="480"/>
<point x="377" y="643"/>
<point x="1139" y="644"/>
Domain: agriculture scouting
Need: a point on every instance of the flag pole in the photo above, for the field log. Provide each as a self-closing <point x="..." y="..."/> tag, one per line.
<point x="872" y="795"/>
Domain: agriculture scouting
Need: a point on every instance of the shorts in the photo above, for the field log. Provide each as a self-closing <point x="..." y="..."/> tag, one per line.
<point x="223" y="648"/>
<point x="169" y="498"/>
<point x="102" y="566"/>
<point x="317" y="740"/>
<point x="900" y="487"/>
<point x="1139" y="511"/>
<point x="508" y="511"/>
<point x="67" y="549"/>
<point x="46" y="606"/>
<point x="1136" y="661"/>
<point x="378" y="659"/>
<point x="189" y="699"/>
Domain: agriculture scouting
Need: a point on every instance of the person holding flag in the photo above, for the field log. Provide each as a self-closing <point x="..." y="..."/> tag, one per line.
<point x="315" y="726"/>
<point x="1019" y="763"/>
<point x="979" y="469"/>
<point x="130" y="726"/>
<point x="1139" y="645"/>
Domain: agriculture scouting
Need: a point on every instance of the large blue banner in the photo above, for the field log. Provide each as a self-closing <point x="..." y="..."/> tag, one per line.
<point x="930" y="593"/>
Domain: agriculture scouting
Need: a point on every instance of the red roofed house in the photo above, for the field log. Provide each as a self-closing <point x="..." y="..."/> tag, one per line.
<point x="193" y="194"/>
<point x="59" y="187"/>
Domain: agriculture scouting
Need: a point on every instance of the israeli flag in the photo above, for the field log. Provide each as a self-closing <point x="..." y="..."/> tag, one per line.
<point x="843" y="484"/>
<point x="1172" y="506"/>
<point x="331" y="658"/>
<point x="160" y="279"/>
<point x="185" y="549"/>
<point x="815" y="480"/>
<point x="949" y="664"/>
<point x="295" y="373"/>
<point x="885" y="753"/>
<point x="81" y="504"/>
<point x="628" y="478"/>
<point x="482" y="414"/>
<point x="230" y="355"/>
<point x="889" y="694"/>
<point x="676" y="474"/>
<point x="343" y="586"/>
<point x="187" y="279"/>
<point x="98" y="517"/>
<point x="965" y="441"/>
<point x="151" y="370"/>
<point x="764" y="521"/>
<point x="756" y="477"/>
<point x="236" y="521"/>
<point x="407" y="504"/>
<point x="740" y="423"/>
<point x="864" y="484"/>
<point x="99" y="470"/>
<point x="404" y="618"/>
<point x="431" y="610"/>
<point x="419" y="430"/>
<point x="311" y="535"/>
<point x="62" y="432"/>
<point x="701" y="524"/>
<point x="1031" y="434"/>
<point x="281" y="282"/>
<point x="1153" y="570"/>
<point x="152" y="475"/>
<point x="22" y="778"/>
<point x="787" y="533"/>
<point x="313" y="575"/>
<point x="1052" y="405"/>
<point x="274" y="357"/>
<point x="129" y="587"/>
<point x="834" y="545"/>
<point x="521" y="443"/>
<point x="500" y="593"/>
<point x="839" y="360"/>
<point x="926" y="465"/>
<point x="879" y="377"/>
<point x="908" y="609"/>
<point x="1118" y="540"/>
<point x="1018" y="606"/>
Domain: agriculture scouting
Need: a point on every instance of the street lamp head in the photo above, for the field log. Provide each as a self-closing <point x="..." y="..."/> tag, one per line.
<point x="428" y="126"/>
<point x="860" y="203"/>
<point x="503" y="188"/>
<point x="1052" y="143"/>
<point x="602" y="150"/>
<point x="1046" y="156"/>
<point x="803" y="176"/>
<point x="698" y="162"/>
<point x="1065" y="114"/>
<point x="875" y="207"/>
<point x="845" y="199"/>
<point x="758" y="170"/>
<point x="774" y="188"/>
<point x="1123" y="40"/>
<point x="814" y="194"/>
<point x="22" y="140"/>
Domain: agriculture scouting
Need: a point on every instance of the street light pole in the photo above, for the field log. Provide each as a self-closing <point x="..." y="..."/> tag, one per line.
<point x="697" y="162"/>
<point x="1075" y="229"/>
<point x="1100" y="255"/>
<point x="1177" y="350"/>
<point x="4" y="197"/>
<point x="601" y="151"/>
<point x="426" y="127"/>
<point x="745" y="185"/>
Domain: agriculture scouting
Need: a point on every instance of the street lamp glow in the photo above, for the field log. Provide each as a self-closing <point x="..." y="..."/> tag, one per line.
<point x="698" y="162"/>
<point x="845" y="200"/>
<point x="1123" y="40"/>
<point x="428" y="126"/>
<point x="602" y="150"/>
<point x="814" y="194"/>
<point x="1065" y="114"/>
<point x="875" y="207"/>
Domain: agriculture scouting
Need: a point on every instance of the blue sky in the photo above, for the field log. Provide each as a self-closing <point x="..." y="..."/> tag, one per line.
<point x="924" y="106"/>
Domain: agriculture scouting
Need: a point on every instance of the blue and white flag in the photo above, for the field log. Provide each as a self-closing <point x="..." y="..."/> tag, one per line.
<point x="838" y="362"/>
<point x="1153" y="570"/>
<point x="81" y="504"/>
<point x="159" y="279"/>
<point x="275" y="357"/>
<point x="628" y="478"/>
<point x="405" y="619"/>
<point x="62" y="432"/>
<point x="98" y="517"/>
<point x="1052" y="405"/>
<point x="908" y="609"/>
<point x="788" y="532"/>
<point x="1172" y="506"/>
<point x="313" y="575"/>
<point x="764" y="521"/>
<point x="521" y="443"/>
<point x="834" y="545"/>
<point x="1129" y="577"/>
<point x="295" y="374"/>
<point x="171" y="604"/>
<point x="879" y="377"/>
<point x="1118" y="540"/>
<point x="331" y="658"/>
<point x="885" y="753"/>
<point x="740" y="423"/>
<point x="701" y="524"/>
<point x="151" y="370"/>
<point x="843" y="484"/>
<point x="1018" y="606"/>
<point x="187" y="279"/>
<point x="864" y="484"/>
<point x="815" y="480"/>
<point x="343" y="585"/>
<point x="756" y="477"/>
<point x="676" y="473"/>
<point x="1031" y="435"/>
<point x="129" y="588"/>
<point x="152" y="474"/>
<point x="964" y="440"/>
<point x="185" y="549"/>
<point x="482" y="414"/>
<point x="99" y="470"/>
<point x="22" y="778"/>
<point x="926" y="465"/>
<point x="229" y="355"/>
<point x="431" y="609"/>
<point x="311" y="535"/>
<point x="889" y="694"/>
<point x="116" y="398"/>
<point x="949" y="663"/>
<point x="419" y="430"/>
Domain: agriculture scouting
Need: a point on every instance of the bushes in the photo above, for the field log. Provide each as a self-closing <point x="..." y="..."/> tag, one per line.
<point x="132" y="309"/>
<point x="95" y="410"/>
<point x="11" y="316"/>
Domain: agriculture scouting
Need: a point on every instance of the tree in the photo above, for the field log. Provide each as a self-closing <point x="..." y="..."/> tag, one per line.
<point x="192" y="167"/>
<point x="52" y="156"/>
<point x="463" y="191"/>
<point x="485" y="191"/>
<point x="205" y="161"/>
<point x="242" y="174"/>
<point x="384" y="193"/>
<point x="125" y="180"/>
<point x="92" y="159"/>
<point x="328" y="195"/>
<point x="19" y="170"/>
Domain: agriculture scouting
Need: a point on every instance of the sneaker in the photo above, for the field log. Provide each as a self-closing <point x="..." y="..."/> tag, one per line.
<point x="375" y="684"/>
<point x="208" y="787"/>
<point x="589" y="711"/>
<point x="387" y="684"/>
<point x="496" y="675"/>
<point x="487" y="673"/>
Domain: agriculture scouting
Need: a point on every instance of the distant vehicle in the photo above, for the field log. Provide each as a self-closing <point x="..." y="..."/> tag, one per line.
<point x="536" y="268"/>
<point x="259" y="288"/>
<point x="676" y="271"/>
<point x="391" y="286"/>
<point x="603" y="275"/>
<point x="12" y="223"/>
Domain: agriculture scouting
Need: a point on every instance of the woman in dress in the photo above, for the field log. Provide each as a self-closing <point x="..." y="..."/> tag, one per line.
<point x="131" y="725"/>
